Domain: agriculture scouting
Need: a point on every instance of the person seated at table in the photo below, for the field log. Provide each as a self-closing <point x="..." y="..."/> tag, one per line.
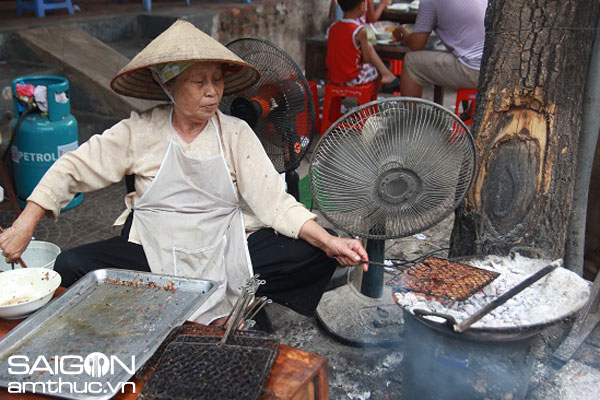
<point x="460" y="26"/>
<point x="372" y="13"/>
<point x="351" y="60"/>
<point x="208" y="202"/>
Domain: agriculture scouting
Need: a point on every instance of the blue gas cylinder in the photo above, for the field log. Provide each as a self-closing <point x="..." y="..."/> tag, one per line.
<point x="42" y="138"/>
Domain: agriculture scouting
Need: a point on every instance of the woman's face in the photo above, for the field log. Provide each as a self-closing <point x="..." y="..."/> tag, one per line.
<point x="198" y="91"/>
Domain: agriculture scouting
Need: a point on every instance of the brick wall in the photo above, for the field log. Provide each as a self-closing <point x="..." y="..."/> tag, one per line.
<point x="284" y="22"/>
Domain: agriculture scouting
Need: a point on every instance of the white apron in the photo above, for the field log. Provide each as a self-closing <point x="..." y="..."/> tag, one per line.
<point x="190" y="224"/>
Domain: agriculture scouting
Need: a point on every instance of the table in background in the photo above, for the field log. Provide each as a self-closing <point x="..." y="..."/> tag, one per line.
<point x="401" y="17"/>
<point x="315" y="53"/>
<point x="296" y="374"/>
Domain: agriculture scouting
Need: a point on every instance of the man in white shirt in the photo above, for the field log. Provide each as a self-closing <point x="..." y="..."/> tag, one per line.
<point x="460" y="26"/>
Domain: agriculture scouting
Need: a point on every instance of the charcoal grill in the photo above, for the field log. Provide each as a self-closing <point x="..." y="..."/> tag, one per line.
<point x="480" y="362"/>
<point x="481" y="333"/>
<point x="193" y="364"/>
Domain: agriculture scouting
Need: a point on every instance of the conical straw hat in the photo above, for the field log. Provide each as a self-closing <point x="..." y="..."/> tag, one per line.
<point x="182" y="41"/>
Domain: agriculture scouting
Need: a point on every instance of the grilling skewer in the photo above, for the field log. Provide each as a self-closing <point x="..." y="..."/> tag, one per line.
<point x="252" y="307"/>
<point x="260" y="307"/>
<point x="19" y="260"/>
<point x="237" y="315"/>
<point x="234" y="318"/>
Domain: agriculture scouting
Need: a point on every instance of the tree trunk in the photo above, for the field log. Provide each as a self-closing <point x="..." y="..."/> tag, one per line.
<point x="527" y="125"/>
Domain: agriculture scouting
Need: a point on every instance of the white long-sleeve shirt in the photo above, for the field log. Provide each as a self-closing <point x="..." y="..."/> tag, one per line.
<point x="137" y="146"/>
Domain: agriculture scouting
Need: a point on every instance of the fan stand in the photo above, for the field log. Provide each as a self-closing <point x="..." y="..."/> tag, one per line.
<point x="401" y="165"/>
<point x="362" y="313"/>
<point x="292" y="179"/>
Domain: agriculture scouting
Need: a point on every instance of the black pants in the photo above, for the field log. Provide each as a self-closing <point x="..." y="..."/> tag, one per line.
<point x="295" y="271"/>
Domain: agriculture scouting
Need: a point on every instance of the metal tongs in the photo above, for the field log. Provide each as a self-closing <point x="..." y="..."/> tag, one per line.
<point x="391" y="265"/>
<point x="243" y="312"/>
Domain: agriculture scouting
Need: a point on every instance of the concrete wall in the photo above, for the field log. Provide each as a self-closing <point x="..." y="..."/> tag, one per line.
<point x="286" y="23"/>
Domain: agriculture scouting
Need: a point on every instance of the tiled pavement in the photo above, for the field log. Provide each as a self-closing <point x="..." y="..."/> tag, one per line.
<point x="91" y="221"/>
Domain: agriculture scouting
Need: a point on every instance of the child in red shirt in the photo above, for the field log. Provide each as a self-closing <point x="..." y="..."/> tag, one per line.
<point x="351" y="60"/>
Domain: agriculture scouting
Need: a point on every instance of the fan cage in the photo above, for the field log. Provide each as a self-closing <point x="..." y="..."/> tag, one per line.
<point x="392" y="168"/>
<point x="288" y="129"/>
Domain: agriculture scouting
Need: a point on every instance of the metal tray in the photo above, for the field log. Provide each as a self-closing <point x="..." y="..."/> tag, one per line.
<point x="124" y="323"/>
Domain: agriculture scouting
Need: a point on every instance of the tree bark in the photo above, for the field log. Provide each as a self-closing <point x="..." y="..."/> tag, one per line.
<point x="527" y="125"/>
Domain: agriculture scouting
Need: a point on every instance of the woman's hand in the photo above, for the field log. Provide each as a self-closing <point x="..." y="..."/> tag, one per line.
<point x="14" y="240"/>
<point x="345" y="251"/>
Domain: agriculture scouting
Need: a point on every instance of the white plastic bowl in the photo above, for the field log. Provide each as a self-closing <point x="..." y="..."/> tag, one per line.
<point x="38" y="254"/>
<point x="25" y="290"/>
<point x="383" y="35"/>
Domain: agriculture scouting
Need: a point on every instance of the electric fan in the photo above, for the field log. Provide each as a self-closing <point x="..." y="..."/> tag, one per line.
<point x="279" y="107"/>
<point x="388" y="169"/>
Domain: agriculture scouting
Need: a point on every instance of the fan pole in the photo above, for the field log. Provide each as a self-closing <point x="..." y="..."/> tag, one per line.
<point x="372" y="280"/>
<point x="292" y="179"/>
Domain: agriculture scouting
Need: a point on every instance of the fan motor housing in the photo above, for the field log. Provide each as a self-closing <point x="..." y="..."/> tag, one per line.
<point x="248" y="110"/>
<point x="397" y="185"/>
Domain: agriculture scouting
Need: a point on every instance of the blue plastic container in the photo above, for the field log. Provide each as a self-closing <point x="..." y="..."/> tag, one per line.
<point x="42" y="139"/>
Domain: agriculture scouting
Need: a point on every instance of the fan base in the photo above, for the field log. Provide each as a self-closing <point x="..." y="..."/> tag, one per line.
<point x="358" y="320"/>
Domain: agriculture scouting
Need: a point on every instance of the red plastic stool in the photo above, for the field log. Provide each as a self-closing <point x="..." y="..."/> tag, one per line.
<point x="334" y="94"/>
<point x="395" y="66"/>
<point x="315" y="96"/>
<point x="466" y="95"/>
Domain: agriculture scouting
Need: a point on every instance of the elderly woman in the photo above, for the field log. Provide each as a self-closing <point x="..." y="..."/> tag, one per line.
<point x="207" y="203"/>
